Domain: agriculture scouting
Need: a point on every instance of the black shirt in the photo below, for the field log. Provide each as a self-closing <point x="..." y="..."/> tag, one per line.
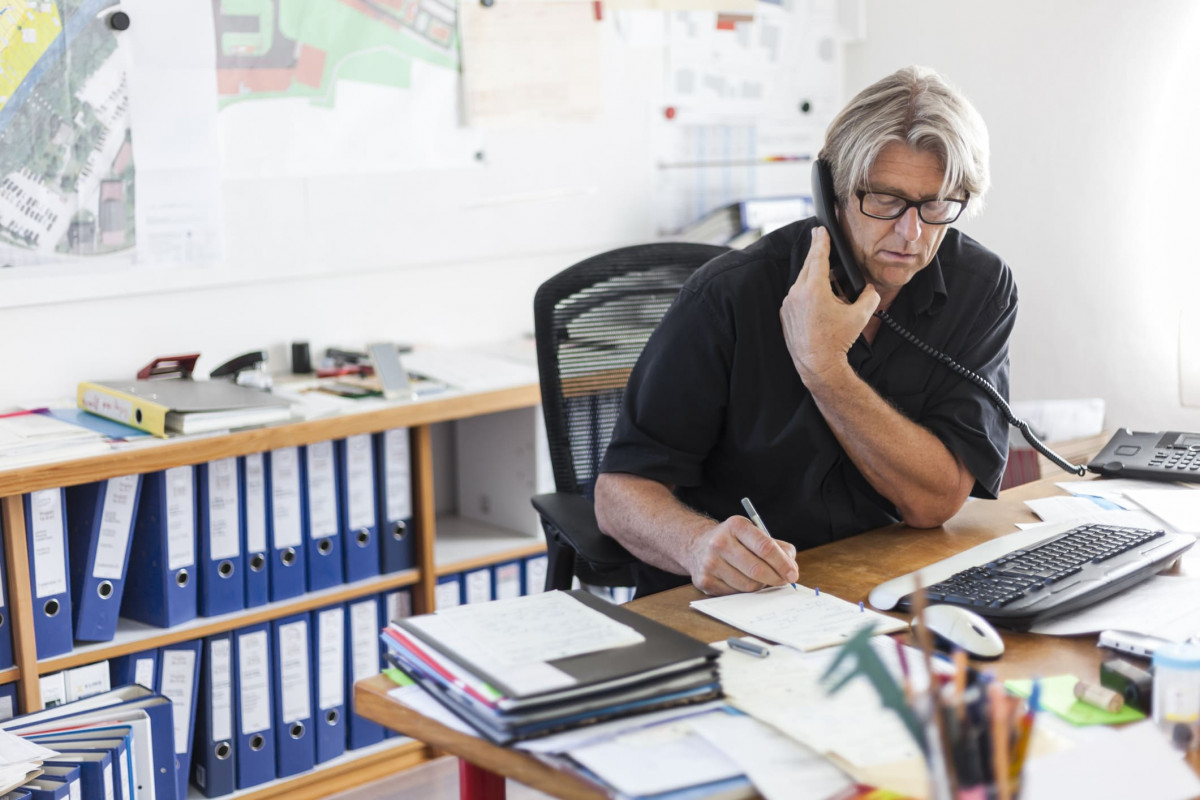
<point x="716" y="409"/>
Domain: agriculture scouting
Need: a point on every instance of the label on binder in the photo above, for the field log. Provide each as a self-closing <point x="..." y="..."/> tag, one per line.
<point x="143" y="672"/>
<point x="364" y="627"/>
<point x="285" y="500"/>
<point x="254" y="687"/>
<point x="181" y="519"/>
<point x="224" y="536"/>
<point x="49" y="543"/>
<point x="256" y="504"/>
<point x="360" y="481"/>
<point x="398" y="481"/>
<point x="115" y="526"/>
<point x="322" y="490"/>
<point x="221" y="700"/>
<point x="106" y="405"/>
<point x="293" y="670"/>
<point x="330" y="632"/>
<point x="179" y="671"/>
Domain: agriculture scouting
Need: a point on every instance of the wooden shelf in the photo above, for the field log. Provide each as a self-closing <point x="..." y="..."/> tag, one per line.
<point x="9" y="675"/>
<point x="134" y="637"/>
<point x="465" y="544"/>
<point x="182" y="451"/>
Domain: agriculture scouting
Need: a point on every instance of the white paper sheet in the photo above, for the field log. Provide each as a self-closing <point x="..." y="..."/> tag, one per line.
<point x="800" y="617"/>
<point x="1082" y="510"/>
<point x="1180" y="510"/>
<point x="525" y="630"/>
<point x="1140" y="763"/>
<point x="1157" y="607"/>
<point x="779" y="767"/>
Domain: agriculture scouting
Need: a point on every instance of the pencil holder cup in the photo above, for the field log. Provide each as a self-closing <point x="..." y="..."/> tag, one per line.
<point x="1177" y="693"/>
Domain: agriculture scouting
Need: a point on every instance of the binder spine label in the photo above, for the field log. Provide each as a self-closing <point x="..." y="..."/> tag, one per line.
<point x="221" y="701"/>
<point x="179" y="670"/>
<point x="330" y="636"/>
<point x="254" y="686"/>
<point x="181" y="519"/>
<point x="223" y="533"/>
<point x="360" y="481"/>
<point x="322" y="490"/>
<point x="285" y="498"/>
<point x="256" y="504"/>
<point x="364" y="632"/>
<point x="106" y="405"/>
<point x="49" y="541"/>
<point x="398" y="479"/>
<point x="143" y="672"/>
<point x="293" y="671"/>
<point x="116" y="523"/>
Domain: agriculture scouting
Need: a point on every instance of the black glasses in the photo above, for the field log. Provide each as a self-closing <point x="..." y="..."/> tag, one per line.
<point x="932" y="212"/>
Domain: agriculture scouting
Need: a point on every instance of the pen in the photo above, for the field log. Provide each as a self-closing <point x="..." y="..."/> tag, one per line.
<point x="758" y="523"/>
<point x="749" y="648"/>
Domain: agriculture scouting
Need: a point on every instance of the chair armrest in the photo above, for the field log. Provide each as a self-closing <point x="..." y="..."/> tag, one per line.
<point x="574" y="517"/>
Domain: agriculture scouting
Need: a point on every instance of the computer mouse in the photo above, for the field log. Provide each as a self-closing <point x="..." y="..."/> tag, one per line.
<point x="954" y="626"/>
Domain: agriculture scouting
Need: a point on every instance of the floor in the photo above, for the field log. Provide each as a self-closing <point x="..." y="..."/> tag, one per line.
<point x="436" y="780"/>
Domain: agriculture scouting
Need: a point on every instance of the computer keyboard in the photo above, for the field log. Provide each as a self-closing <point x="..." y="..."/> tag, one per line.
<point x="1061" y="572"/>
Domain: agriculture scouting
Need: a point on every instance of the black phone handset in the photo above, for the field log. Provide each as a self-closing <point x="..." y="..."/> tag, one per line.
<point x="845" y="272"/>
<point x="843" y="269"/>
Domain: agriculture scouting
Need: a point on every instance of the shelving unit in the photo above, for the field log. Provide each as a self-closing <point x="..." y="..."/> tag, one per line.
<point x="467" y="544"/>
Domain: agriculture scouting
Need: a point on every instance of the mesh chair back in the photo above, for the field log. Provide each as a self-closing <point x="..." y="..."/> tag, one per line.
<point x="591" y="322"/>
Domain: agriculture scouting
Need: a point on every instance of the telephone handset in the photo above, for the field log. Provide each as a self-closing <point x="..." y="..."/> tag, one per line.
<point x="843" y="269"/>
<point x="847" y="274"/>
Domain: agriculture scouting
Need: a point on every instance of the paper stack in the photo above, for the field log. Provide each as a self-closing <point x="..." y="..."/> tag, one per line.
<point x="528" y="666"/>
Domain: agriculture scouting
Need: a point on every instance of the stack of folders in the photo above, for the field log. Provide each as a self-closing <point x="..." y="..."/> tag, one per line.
<point x="118" y="744"/>
<point x="529" y="666"/>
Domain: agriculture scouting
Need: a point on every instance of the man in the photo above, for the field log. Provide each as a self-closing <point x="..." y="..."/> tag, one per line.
<point x="762" y="382"/>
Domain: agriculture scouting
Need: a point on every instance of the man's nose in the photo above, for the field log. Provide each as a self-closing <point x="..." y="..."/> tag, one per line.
<point x="908" y="225"/>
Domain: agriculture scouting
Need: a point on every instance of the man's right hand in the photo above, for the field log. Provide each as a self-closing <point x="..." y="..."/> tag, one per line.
<point x="735" y="556"/>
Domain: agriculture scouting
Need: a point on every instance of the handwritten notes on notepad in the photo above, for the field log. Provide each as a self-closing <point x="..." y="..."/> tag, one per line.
<point x="800" y="617"/>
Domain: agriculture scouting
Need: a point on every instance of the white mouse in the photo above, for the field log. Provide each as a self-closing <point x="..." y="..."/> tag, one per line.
<point x="960" y="627"/>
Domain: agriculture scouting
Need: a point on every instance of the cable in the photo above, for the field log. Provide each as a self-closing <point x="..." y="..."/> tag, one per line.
<point x="993" y="395"/>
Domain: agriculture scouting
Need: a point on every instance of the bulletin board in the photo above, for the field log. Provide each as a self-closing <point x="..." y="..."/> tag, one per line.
<point x="150" y="146"/>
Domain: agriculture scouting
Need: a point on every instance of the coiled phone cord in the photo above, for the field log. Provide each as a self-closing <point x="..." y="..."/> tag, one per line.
<point x="993" y="395"/>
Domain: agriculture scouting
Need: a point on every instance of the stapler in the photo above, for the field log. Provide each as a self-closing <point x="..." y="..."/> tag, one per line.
<point x="248" y="369"/>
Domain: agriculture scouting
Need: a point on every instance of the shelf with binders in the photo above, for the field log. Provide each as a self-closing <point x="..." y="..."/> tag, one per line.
<point x="133" y="636"/>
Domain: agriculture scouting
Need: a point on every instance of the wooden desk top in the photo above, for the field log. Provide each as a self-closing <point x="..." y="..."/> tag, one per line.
<point x="848" y="569"/>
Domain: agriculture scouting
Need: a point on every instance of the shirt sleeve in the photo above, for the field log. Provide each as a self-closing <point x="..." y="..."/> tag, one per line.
<point x="675" y="402"/>
<point x="960" y="413"/>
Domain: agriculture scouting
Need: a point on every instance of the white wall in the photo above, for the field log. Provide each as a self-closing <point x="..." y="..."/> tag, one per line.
<point x="1094" y="122"/>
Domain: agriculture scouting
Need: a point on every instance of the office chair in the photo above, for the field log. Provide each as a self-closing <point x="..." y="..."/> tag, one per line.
<point x="591" y="322"/>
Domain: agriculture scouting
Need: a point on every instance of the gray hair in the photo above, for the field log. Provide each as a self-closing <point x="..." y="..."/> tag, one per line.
<point x="917" y="107"/>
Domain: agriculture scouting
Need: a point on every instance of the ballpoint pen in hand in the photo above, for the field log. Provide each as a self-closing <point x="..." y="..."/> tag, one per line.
<point x="758" y="523"/>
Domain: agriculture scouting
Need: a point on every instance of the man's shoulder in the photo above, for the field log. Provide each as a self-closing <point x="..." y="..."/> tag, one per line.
<point x="767" y="259"/>
<point x="974" y="267"/>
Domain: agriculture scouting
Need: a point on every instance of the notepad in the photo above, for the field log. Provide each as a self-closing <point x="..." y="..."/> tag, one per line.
<point x="800" y="617"/>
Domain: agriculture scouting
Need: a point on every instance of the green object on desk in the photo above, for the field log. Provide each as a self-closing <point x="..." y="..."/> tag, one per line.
<point x="1058" y="695"/>
<point x="397" y="677"/>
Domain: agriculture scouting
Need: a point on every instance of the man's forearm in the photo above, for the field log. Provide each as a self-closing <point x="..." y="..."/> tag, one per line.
<point x="648" y="520"/>
<point x="904" y="461"/>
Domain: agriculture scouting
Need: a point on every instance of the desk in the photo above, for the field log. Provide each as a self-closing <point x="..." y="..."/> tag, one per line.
<point x="849" y="569"/>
